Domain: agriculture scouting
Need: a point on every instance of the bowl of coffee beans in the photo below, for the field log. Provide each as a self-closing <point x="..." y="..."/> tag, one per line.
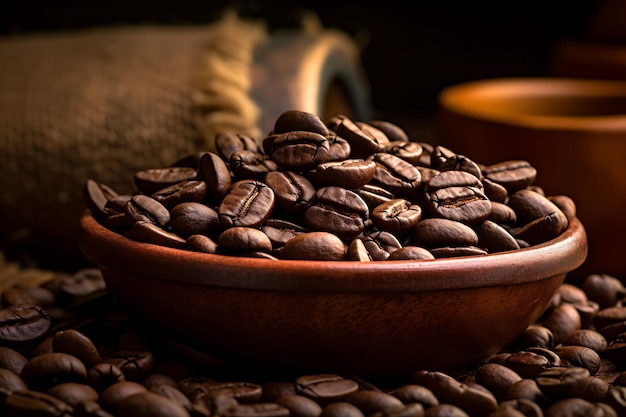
<point x="337" y="245"/>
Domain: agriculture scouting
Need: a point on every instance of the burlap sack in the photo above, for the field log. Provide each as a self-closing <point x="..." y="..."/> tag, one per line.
<point x="107" y="102"/>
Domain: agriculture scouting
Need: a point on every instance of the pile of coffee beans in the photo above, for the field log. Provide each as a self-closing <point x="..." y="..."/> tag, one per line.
<point x="67" y="348"/>
<point x="340" y="190"/>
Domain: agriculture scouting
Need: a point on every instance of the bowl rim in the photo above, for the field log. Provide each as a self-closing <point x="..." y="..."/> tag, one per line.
<point x="467" y="99"/>
<point x="112" y="250"/>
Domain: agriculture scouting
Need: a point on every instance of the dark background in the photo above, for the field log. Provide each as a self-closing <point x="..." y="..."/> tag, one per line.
<point x="410" y="49"/>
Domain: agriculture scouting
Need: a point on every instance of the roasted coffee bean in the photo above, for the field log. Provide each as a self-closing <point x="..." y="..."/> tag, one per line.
<point x="337" y="210"/>
<point x="374" y="195"/>
<point x="413" y="393"/>
<point x="457" y="195"/>
<point x="525" y="407"/>
<point x="410" y="152"/>
<point x="513" y="175"/>
<point x="297" y="150"/>
<point x="616" y="398"/>
<point x="181" y="192"/>
<point x="172" y="393"/>
<point x="248" y="203"/>
<point x="536" y="335"/>
<point x="117" y="392"/>
<point x="543" y="229"/>
<point x="325" y="388"/>
<point x="291" y="120"/>
<point x="201" y="243"/>
<point x="293" y="192"/>
<point x="494" y="191"/>
<point x="596" y="390"/>
<point x="457" y="251"/>
<point x="438" y="155"/>
<point x="558" y="383"/>
<point x="14" y="296"/>
<point x="103" y="375"/>
<point x="192" y="218"/>
<point x="338" y="148"/>
<point x="604" y="289"/>
<point x="370" y="402"/>
<point x="565" y="204"/>
<point x="215" y="174"/>
<point x="90" y="409"/>
<point x="495" y="238"/>
<point x="380" y="244"/>
<point x="23" y="323"/>
<point x="357" y="251"/>
<point x="577" y="407"/>
<point x="393" y="132"/>
<point x="150" y="233"/>
<point x="496" y="378"/>
<point x="157" y="379"/>
<point x="12" y="360"/>
<point x="314" y="246"/>
<point x="588" y="338"/>
<point x="148" y="404"/>
<point x="11" y="381"/>
<point x="475" y="402"/>
<point x="142" y="208"/>
<point x="349" y="173"/>
<point x="364" y="140"/>
<point x="414" y="253"/>
<point x="251" y="165"/>
<point x="531" y="362"/>
<point x="530" y="205"/>
<point x="226" y="143"/>
<point x="281" y="231"/>
<point x="35" y="403"/>
<point x="135" y="365"/>
<point x="502" y="214"/>
<point x="563" y="321"/>
<point x="75" y="343"/>
<point x="244" y="239"/>
<point x="527" y="389"/>
<point x="580" y="356"/>
<point x="152" y="180"/>
<point x="275" y="389"/>
<point x="461" y="163"/>
<point x="73" y="393"/>
<point x="395" y="174"/>
<point x="299" y="405"/>
<point x="341" y="409"/>
<point x="433" y="233"/>
<point x="97" y="196"/>
<point x="50" y="368"/>
<point x="572" y="294"/>
<point x="397" y="216"/>
<point x="445" y="410"/>
<point x="257" y="410"/>
<point x="243" y="392"/>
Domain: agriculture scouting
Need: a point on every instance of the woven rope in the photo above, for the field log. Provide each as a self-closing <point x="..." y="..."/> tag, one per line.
<point x="105" y="103"/>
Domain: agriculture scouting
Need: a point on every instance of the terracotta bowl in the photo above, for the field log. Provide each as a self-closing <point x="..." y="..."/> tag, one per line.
<point x="385" y="318"/>
<point x="572" y="130"/>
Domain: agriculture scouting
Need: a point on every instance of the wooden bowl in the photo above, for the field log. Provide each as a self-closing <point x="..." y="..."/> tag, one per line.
<point x="385" y="318"/>
<point x="572" y="130"/>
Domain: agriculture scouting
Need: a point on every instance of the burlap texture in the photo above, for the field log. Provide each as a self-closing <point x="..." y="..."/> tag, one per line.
<point x="105" y="103"/>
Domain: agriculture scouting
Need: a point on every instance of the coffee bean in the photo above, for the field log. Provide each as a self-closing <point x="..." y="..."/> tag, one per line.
<point x="589" y="338"/>
<point x="248" y="203"/>
<point x="215" y="174"/>
<point x="364" y="140"/>
<point x="150" y="233"/>
<point x="142" y="208"/>
<point x="135" y="365"/>
<point x="11" y="381"/>
<point x="397" y="216"/>
<point x="325" y="388"/>
<point x="103" y="375"/>
<point x="395" y="174"/>
<point x="50" y="368"/>
<point x="408" y="253"/>
<point x="23" y="323"/>
<point x="297" y="150"/>
<point x="604" y="289"/>
<point x="117" y="392"/>
<point x="495" y="238"/>
<point x="291" y="120"/>
<point x="370" y="402"/>
<point x="513" y="175"/>
<point x="35" y="403"/>
<point x="251" y="165"/>
<point x="193" y="218"/>
<point x="558" y="383"/>
<point x="299" y="405"/>
<point x="349" y="173"/>
<point x="226" y="143"/>
<point x="186" y="191"/>
<point x="244" y="239"/>
<point x="496" y="378"/>
<point x="341" y="409"/>
<point x="393" y="132"/>
<point x="433" y="233"/>
<point x="73" y="393"/>
<point x="201" y="243"/>
<point x="459" y="196"/>
<point x="337" y="210"/>
<point x="97" y="196"/>
<point x="413" y="393"/>
<point x="293" y="192"/>
<point x="75" y="343"/>
<point x="152" y="180"/>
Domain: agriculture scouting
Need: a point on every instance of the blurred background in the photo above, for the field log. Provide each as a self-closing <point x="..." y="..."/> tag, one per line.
<point x="410" y="49"/>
